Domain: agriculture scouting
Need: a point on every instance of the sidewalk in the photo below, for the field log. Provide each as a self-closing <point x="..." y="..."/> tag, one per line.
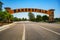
<point x="6" y="26"/>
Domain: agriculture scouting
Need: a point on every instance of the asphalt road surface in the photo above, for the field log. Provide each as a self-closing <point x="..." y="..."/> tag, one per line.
<point x="26" y="30"/>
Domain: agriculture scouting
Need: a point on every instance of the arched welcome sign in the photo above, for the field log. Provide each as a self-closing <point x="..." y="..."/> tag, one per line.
<point x="49" y="12"/>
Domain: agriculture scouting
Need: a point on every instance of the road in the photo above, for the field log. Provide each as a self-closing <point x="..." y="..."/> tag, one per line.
<point x="26" y="30"/>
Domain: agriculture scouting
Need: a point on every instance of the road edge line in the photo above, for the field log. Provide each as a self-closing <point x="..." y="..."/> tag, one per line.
<point x="50" y="30"/>
<point x="23" y="37"/>
<point x="6" y="26"/>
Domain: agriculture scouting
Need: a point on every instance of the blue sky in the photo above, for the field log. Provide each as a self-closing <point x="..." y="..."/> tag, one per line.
<point x="41" y="4"/>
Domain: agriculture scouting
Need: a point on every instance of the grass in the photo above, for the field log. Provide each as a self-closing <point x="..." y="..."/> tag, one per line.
<point x="58" y="22"/>
<point x="1" y="24"/>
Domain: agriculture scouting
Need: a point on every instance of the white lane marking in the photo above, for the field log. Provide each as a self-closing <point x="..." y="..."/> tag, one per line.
<point x="50" y="30"/>
<point x="23" y="37"/>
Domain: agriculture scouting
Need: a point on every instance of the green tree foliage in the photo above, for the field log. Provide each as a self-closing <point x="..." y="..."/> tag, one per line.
<point x="45" y="18"/>
<point x="5" y="16"/>
<point x="16" y="19"/>
<point x="19" y="19"/>
<point x="1" y="16"/>
<point x="38" y="18"/>
<point x="57" y="19"/>
<point x="24" y="19"/>
<point x="31" y="16"/>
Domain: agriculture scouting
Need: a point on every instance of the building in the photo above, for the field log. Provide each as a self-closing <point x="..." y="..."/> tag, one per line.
<point x="1" y="5"/>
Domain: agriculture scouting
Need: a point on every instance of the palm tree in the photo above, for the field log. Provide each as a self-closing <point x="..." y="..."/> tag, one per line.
<point x="5" y="16"/>
<point x="8" y="17"/>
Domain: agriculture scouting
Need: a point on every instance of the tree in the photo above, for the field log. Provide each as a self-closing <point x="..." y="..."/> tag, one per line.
<point x="24" y="19"/>
<point x="1" y="16"/>
<point x="57" y="19"/>
<point x="31" y="16"/>
<point x="45" y="18"/>
<point x="19" y="19"/>
<point x="8" y="17"/>
<point x="5" y="16"/>
<point x="38" y="18"/>
<point x="15" y="19"/>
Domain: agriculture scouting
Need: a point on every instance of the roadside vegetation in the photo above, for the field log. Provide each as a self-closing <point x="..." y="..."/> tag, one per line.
<point x="40" y="18"/>
<point x="6" y="18"/>
<point x="57" y="20"/>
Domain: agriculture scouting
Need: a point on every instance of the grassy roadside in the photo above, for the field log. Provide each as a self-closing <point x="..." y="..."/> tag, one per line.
<point x="58" y="22"/>
<point x="1" y="24"/>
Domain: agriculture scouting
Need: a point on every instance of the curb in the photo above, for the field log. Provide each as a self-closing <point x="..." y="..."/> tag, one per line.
<point x="6" y="26"/>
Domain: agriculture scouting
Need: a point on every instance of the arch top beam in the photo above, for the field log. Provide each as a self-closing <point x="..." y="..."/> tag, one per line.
<point x="49" y="12"/>
<point x="27" y="10"/>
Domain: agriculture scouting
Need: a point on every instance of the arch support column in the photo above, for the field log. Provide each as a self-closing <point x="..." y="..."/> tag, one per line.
<point x="51" y="15"/>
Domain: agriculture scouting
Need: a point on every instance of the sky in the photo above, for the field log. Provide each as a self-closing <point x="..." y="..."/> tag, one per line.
<point x="40" y="4"/>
